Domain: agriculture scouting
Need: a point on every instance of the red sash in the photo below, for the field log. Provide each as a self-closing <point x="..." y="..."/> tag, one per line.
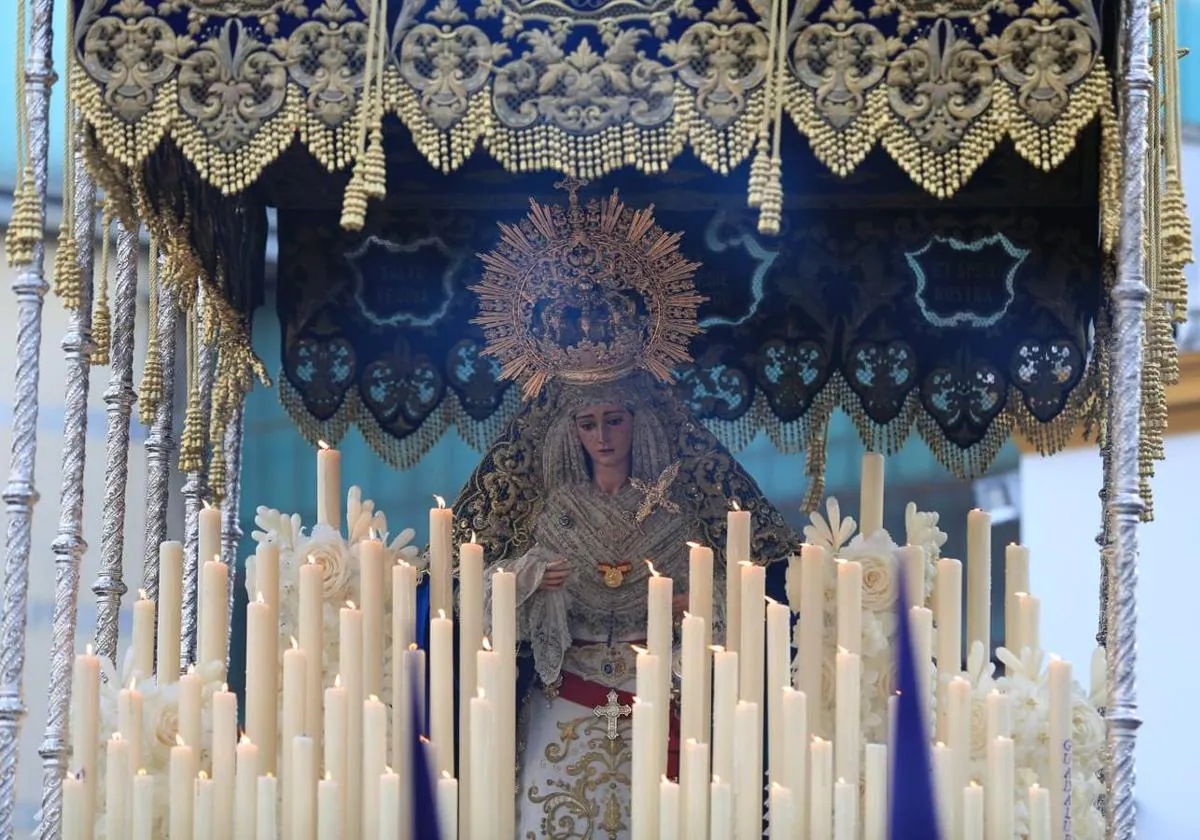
<point x="590" y="695"/>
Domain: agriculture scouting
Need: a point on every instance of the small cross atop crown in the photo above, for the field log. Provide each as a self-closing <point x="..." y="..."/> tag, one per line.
<point x="571" y="185"/>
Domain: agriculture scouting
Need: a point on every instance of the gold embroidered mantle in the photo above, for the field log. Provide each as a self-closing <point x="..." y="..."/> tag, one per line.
<point x="589" y="87"/>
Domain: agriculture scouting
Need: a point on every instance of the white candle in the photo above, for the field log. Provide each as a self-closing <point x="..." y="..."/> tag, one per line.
<point x="845" y="810"/>
<point x="208" y="545"/>
<point x="659" y="639"/>
<point x="214" y="619"/>
<point x="750" y="657"/>
<point x="245" y="794"/>
<point x="912" y="558"/>
<point x="266" y="573"/>
<point x="411" y="724"/>
<point x="1059" y="678"/>
<point x="312" y="642"/>
<point x="999" y="715"/>
<point x="1001" y="780"/>
<point x="191" y="703"/>
<point x="184" y="764"/>
<point x="1040" y="819"/>
<point x="1099" y="674"/>
<point x="779" y="676"/>
<point x="371" y="592"/>
<point x="143" y="636"/>
<point x="943" y="779"/>
<point x="202" y="808"/>
<point x="692" y="700"/>
<point x="812" y="626"/>
<point x="721" y="824"/>
<point x="668" y="814"/>
<point x="73" y="795"/>
<point x="329" y="486"/>
<point x="725" y="698"/>
<point x="389" y="805"/>
<point x="958" y="728"/>
<point x="129" y="722"/>
<point x="972" y="808"/>
<point x="849" y="605"/>
<point x="652" y="689"/>
<point x="643" y="774"/>
<point x="921" y="621"/>
<point x="441" y="526"/>
<point x="336" y="723"/>
<point x="875" y="791"/>
<point x="143" y="806"/>
<point x="117" y="791"/>
<point x="979" y="579"/>
<point x="329" y="803"/>
<point x="262" y="677"/>
<point x="893" y="707"/>
<point x="351" y="671"/>
<point x="1016" y="579"/>
<point x="737" y="551"/>
<point x="871" y="494"/>
<point x="267" y="826"/>
<point x="795" y="759"/>
<point x="404" y="610"/>
<point x="170" y="606"/>
<point x="949" y="630"/>
<point x="700" y="604"/>
<point x="504" y="637"/>
<point x="441" y="692"/>
<point x="303" y="784"/>
<point x="1028" y="622"/>
<point x="748" y="797"/>
<point x="848" y="717"/>
<point x="484" y="804"/>
<point x="693" y="818"/>
<point x="295" y="686"/>
<point x="374" y="761"/>
<point x="783" y="813"/>
<point x="224" y="746"/>
<point x="86" y="734"/>
<point x="820" y="804"/>
<point x="470" y="640"/>
<point x="447" y="805"/>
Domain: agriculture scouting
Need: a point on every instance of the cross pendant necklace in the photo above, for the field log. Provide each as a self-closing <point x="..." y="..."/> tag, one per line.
<point x="612" y="711"/>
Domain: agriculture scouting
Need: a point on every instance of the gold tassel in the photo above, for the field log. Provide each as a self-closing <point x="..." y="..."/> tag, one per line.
<point x="771" y="206"/>
<point x="216" y="472"/>
<point x="68" y="279"/>
<point x="191" y="441"/>
<point x="150" y="393"/>
<point x="26" y="225"/>
<point x="368" y="179"/>
<point x="101" y="317"/>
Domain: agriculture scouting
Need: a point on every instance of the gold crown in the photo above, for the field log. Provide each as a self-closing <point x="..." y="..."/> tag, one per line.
<point x="586" y="295"/>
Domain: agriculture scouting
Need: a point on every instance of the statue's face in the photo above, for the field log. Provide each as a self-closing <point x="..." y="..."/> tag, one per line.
<point x="606" y="432"/>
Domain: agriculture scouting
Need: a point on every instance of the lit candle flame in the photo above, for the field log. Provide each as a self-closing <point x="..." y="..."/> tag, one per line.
<point x="473" y="537"/>
<point x="224" y="688"/>
<point x="207" y="504"/>
<point x="772" y="601"/>
<point x="179" y="742"/>
<point x="637" y="699"/>
<point x="446" y="774"/>
<point x="116" y="736"/>
<point x="141" y="771"/>
<point x="202" y="776"/>
<point x="818" y="740"/>
<point x="374" y="698"/>
<point x="653" y="571"/>
<point x="734" y="504"/>
<point x="639" y="650"/>
<point x="975" y="784"/>
<point x="323" y="445"/>
<point x="387" y="769"/>
<point x="424" y="740"/>
<point x="372" y="533"/>
<point x="132" y="683"/>
<point x="258" y="599"/>
<point x="841" y="781"/>
<point x="350" y="605"/>
<point x="337" y="680"/>
<point x="413" y="646"/>
<point x="716" y="779"/>
<point x="295" y="644"/>
<point x="191" y="669"/>
<point x="441" y="613"/>
<point x="481" y="693"/>
<point x="717" y="648"/>
<point x="487" y="643"/>
<point x="841" y="650"/>
<point x="441" y="503"/>
<point x="941" y="744"/>
<point x="88" y="649"/>
<point x="328" y="776"/>
<point x="1020" y="594"/>
<point x="745" y="563"/>
<point x="143" y="594"/>
<point x="312" y="561"/>
<point x="687" y="614"/>
<point x="691" y="544"/>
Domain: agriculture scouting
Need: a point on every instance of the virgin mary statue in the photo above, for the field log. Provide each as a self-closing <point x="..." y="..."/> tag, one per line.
<point x="590" y="306"/>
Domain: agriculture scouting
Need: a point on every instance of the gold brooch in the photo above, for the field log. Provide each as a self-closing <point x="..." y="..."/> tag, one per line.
<point x="614" y="576"/>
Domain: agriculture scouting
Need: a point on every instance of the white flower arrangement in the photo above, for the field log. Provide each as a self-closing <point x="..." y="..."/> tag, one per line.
<point x="338" y="557"/>
<point x="1024" y="680"/>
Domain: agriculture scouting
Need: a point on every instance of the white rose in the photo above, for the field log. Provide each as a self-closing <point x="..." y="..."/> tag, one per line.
<point x="327" y="548"/>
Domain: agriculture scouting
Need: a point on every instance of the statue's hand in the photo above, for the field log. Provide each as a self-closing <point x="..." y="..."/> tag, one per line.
<point x="555" y="575"/>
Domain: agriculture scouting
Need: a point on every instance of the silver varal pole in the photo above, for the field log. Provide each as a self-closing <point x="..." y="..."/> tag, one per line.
<point x="118" y="399"/>
<point x="195" y="489"/>
<point x="69" y="545"/>
<point x="29" y="288"/>
<point x="231" y="529"/>
<point x="160" y="442"/>
<point x="1129" y="297"/>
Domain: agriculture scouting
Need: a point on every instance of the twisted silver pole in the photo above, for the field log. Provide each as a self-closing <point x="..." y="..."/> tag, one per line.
<point x="69" y="546"/>
<point x="196" y="489"/>
<point x="20" y="495"/>
<point x="1129" y="297"/>
<point x="231" y="529"/>
<point x="118" y="399"/>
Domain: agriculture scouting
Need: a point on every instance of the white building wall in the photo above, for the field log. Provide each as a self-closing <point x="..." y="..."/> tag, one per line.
<point x="1060" y="517"/>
